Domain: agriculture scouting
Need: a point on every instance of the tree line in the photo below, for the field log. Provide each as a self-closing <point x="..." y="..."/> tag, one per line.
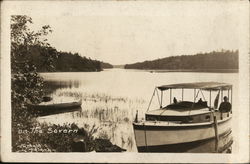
<point x="62" y="61"/>
<point x="106" y="65"/>
<point x="224" y="59"/>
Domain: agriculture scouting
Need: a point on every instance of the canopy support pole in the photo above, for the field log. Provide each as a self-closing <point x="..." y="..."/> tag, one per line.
<point x="221" y="95"/>
<point x="161" y="98"/>
<point x="203" y="95"/>
<point x="158" y="97"/>
<point x="194" y="94"/>
<point x="170" y="95"/>
<point x="182" y="94"/>
<point x="210" y="98"/>
<point x="151" y="99"/>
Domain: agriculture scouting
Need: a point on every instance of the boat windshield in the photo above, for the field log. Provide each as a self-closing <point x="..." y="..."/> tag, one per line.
<point x="187" y="105"/>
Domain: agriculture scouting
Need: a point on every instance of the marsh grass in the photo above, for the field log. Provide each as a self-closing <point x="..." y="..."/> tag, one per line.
<point x="113" y="115"/>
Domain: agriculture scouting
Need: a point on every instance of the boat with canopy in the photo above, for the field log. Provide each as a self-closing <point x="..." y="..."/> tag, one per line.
<point x="182" y="125"/>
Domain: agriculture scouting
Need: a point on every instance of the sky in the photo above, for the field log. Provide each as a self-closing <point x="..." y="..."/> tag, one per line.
<point x="120" y="32"/>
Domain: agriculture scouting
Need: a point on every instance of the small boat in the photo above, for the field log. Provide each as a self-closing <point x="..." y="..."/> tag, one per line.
<point x="50" y="107"/>
<point x="185" y="126"/>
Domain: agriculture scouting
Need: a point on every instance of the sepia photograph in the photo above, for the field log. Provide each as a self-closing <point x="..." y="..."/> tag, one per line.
<point x="125" y="81"/>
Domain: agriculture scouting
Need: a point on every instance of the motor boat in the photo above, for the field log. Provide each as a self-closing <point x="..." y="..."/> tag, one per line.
<point x="184" y="126"/>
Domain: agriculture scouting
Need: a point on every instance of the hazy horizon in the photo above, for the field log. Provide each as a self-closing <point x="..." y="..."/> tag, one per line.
<point x="119" y="32"/>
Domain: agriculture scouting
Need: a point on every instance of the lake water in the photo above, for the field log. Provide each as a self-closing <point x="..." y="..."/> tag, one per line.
<point x="112" y="97"/>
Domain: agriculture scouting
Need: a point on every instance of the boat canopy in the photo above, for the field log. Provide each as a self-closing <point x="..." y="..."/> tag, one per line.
<point x="197" y="85"/>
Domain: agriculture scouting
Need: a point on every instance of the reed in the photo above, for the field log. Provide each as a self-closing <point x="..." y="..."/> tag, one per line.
<point x="113" y="115"/>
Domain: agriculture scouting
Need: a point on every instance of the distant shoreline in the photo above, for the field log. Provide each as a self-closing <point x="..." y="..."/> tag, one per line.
<point x="192" y="70"/>
<point x="163" y="70"/>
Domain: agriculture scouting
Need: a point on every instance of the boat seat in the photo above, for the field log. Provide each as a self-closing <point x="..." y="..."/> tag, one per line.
<point x="47" y="99"/>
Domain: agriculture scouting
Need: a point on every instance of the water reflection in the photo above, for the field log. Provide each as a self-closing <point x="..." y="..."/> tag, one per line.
<point x="51" y="85"/>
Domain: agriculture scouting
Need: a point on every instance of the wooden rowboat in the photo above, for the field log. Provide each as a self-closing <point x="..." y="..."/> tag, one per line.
<point x="46" y="108"/>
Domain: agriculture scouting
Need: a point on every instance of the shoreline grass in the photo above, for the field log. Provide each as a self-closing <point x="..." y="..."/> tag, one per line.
<point x="113" y="114"/>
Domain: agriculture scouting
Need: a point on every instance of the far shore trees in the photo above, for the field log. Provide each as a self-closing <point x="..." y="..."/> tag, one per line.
<point x="224" y="59"/>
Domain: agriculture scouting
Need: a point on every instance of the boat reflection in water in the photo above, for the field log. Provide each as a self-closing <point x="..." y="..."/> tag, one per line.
<point x="188" y="126"/>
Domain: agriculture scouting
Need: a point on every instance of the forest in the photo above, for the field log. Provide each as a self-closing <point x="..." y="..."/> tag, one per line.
<point x="224" y="59"/>
<point x="63" y="61"/>
<point x="106" y="65"/>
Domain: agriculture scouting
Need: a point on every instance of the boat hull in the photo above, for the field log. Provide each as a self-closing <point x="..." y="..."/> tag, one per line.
<point x="176" y="138"/>
<point x="202" y="146"/>
<point x="57" y="108"/>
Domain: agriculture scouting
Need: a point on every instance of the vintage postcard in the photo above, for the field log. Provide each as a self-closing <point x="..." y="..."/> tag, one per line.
<point x="125" y="81"/>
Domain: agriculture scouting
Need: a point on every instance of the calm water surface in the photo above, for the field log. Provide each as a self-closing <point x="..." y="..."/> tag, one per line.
<point x="112" y="97"/>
